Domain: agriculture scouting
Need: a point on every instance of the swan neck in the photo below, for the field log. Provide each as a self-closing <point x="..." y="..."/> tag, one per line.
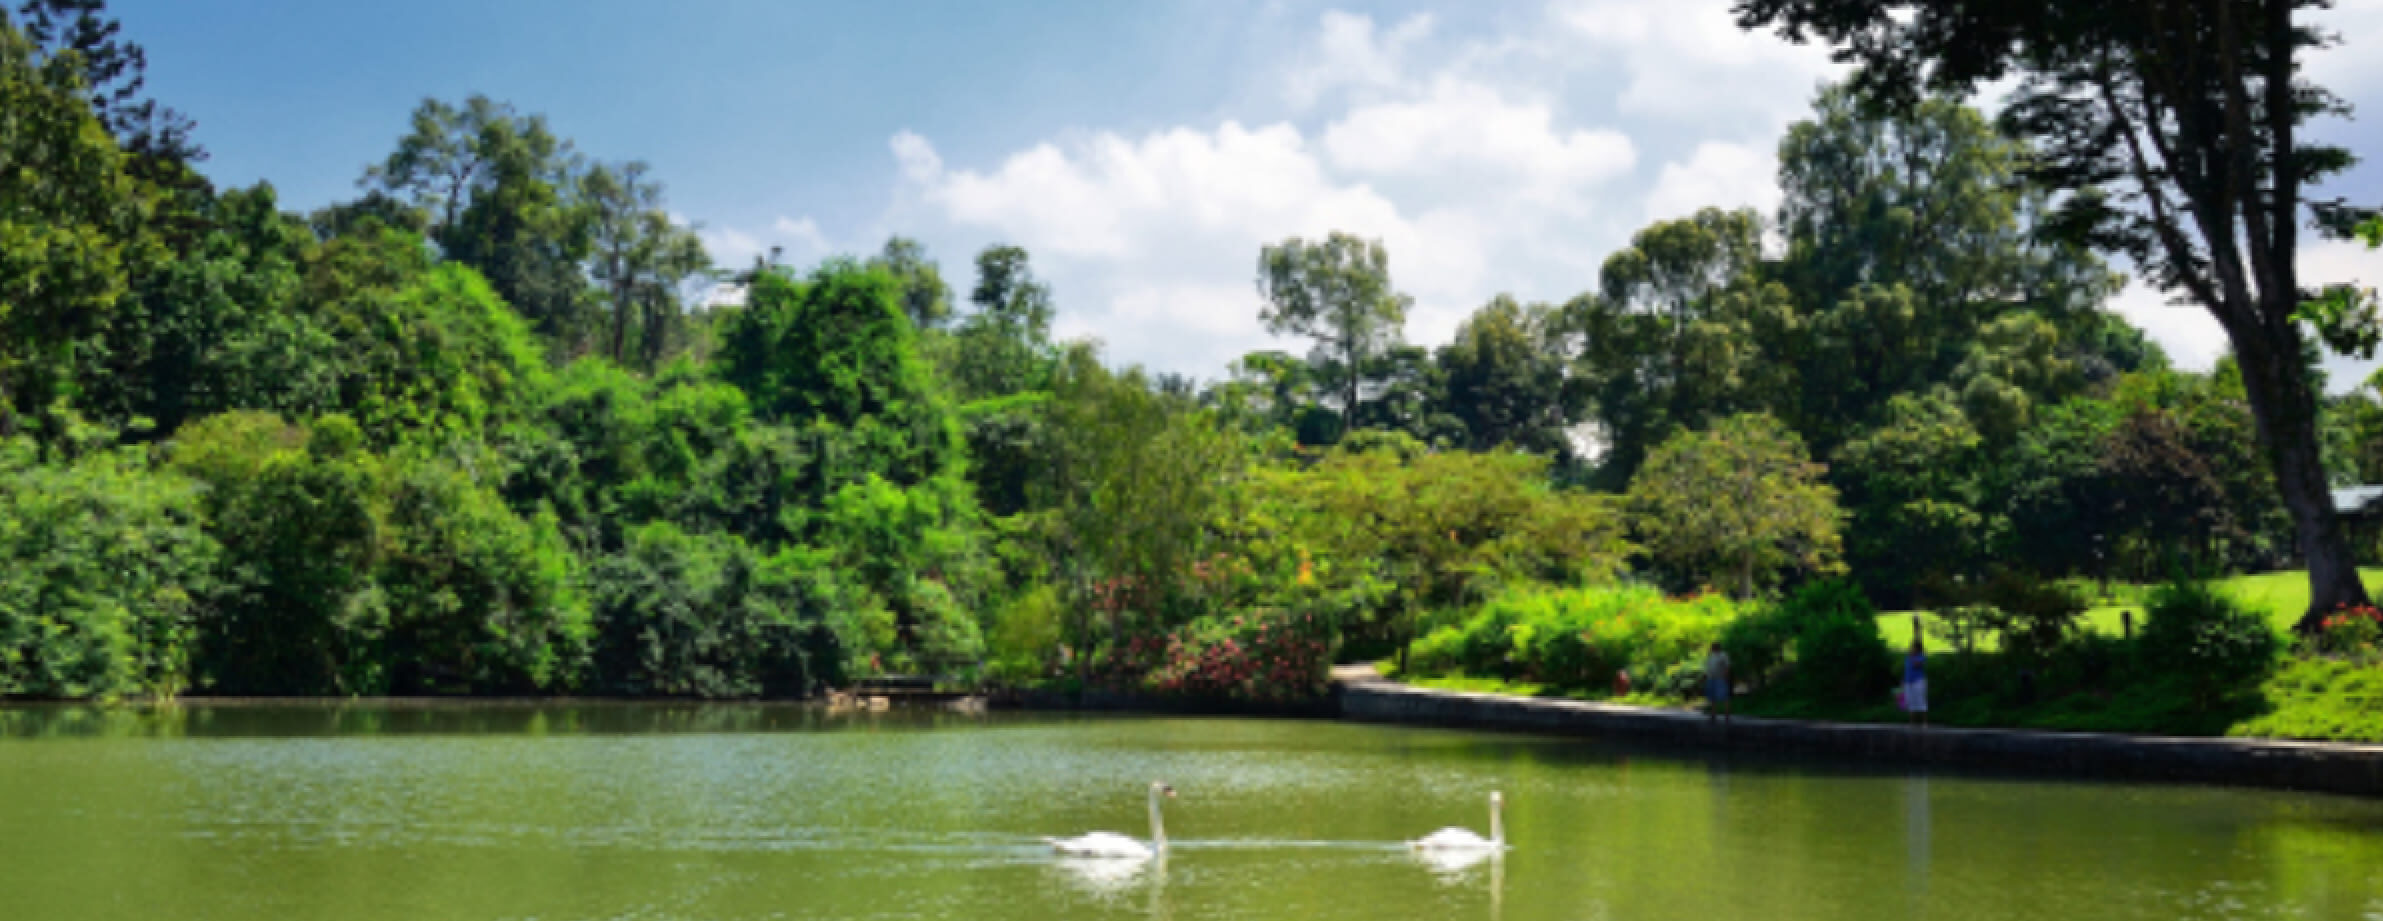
<point x="1158" y="827"/>
<point x="1497" y="823"/>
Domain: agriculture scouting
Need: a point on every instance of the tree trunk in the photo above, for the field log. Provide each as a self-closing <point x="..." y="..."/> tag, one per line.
<point x="2285" y="405"/>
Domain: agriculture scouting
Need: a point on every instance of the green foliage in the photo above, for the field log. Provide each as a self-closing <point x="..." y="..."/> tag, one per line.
<point x="2320" y="699"/>
<point x="477" y="599"/>
<point x="1505" y="379"/>
<point x="1577" y="638"/>
<point x="693" y="615"/>
<point x="1266" y="655"/>
<point x="1024" y="634"/>
<point x="423" y="350"/>
<point x="1336" y="291"/>
<point x="73" y="227"/>
<point x="1834" y="650"/>
<point x="1404" y="531"/>
<point x="103" y="568"/>
<point x="2217" y="645"/>
<point x="1740" y="503"/>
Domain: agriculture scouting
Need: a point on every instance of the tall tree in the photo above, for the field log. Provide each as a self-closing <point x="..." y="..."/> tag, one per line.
<point x="114" y="73"/>
<point x="1337" y="292"/>
<point x="1003" y="346"/>
<point x="73" y="227"/>
<point x="1911" y="251"/>
<point x="1505" y="378"/>
<point x="2179" y="127"/>
<point x="497" y="188"/>
<point x="1674" y="337"/>
<point x="925" y="297"/>
<point x="638" y="254"/>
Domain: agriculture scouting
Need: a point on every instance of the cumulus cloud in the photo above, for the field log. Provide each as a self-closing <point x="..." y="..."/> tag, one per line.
<point x="1351" y="53"/>
<point x="1463" y="127"/>
<point x="1511" y="160"/>
<point x="1716" y="175"/>
<point x="1687" y="61"/>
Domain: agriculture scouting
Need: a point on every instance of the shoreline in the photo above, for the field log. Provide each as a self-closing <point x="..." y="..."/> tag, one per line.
<point x="1360" y="695"/>
<point x="2325" y="767"/>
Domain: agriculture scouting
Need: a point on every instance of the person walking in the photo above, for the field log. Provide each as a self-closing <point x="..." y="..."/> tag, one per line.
<point x="1717" y="684"/>
<point x="1915" y="682"/>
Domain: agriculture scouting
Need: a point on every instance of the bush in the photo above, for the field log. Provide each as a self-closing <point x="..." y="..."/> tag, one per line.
<point x="1025" y="634"/>
<point x="1577" y="638"/>
<point x="2220" y="647"/>
<point x="1839" y="653"/>
<point x="2032" y="616"/>
<point x="1274" y="655"/>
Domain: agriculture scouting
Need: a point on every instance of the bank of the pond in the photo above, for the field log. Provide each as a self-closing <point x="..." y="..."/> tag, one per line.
<point x="1364" y="696"/>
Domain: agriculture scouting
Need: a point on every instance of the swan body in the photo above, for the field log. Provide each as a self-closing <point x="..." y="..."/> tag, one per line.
<point x="1464" y="839"/>
<point x="1110" y="844"/>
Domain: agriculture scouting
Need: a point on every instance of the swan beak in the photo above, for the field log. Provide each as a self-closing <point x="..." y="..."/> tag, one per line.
<point x="1170" y="791"/>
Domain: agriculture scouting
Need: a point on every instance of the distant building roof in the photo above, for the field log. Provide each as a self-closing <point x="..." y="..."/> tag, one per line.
<point x="2359" y="501"/>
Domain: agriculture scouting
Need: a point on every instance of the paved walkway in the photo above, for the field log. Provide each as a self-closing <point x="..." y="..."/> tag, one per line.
<point x="2356" y="769"/>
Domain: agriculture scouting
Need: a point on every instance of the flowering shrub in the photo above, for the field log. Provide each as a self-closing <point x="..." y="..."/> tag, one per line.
<point x="1264" y="655"/>
<point x="2353" y="632"/>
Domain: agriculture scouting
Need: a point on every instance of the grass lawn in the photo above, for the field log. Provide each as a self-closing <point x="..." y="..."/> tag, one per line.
<point x="2283" y="595"/>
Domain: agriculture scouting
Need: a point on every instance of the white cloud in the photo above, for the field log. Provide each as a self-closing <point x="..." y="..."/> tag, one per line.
<point x="804" y="232"/>
<point x="1687" y="61"/>
<point x="1153" y="241"/>
<point x="1460" y="126"/>
<point x="1717" y="175"/>
<point x="1512" y="159"/>
<point x="1349" y="53"/>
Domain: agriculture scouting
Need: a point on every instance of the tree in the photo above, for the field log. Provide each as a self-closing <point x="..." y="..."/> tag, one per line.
<point x="1912" y="254"/>
<point x="114" y="72"/>
<point x="1675" y="335"/>
<point x="2177" y="127"/>
<point x="1134" y="481"/>
<point x="73" y="228"/>
<point x="640" y="256"/>
<point x="1336" y="292"/>
<point x="1740" y="501"/>
<point x="1004" y="346"/>
<point x="497" y="188"/>
<point x="925" y="298"/>
<point x="1505" y="379"/>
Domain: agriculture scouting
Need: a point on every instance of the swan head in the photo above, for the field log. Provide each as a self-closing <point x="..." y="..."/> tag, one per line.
<point x="1162" y="789"/>
<point x="1496" y="798"/>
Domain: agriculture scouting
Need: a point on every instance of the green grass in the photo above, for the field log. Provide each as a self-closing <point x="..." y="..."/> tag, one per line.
<point x="2283" y="595"/>
<point x="1469" y="684"/>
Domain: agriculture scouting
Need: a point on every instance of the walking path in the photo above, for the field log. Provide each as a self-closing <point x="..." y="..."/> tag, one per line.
<point x="1365" y="696"/>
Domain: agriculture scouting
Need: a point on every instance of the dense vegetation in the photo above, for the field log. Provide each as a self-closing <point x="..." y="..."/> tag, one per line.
<point x="472" y="433"/>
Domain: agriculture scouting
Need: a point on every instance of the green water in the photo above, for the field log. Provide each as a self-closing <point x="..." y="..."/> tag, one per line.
<point x="632" y="812"/>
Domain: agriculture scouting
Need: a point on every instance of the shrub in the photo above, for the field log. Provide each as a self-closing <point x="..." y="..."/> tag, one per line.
<point x="1024" y="634"/>
<point x="2219" y="646"/>
<point x="1274" y="655"/>
<point x="2353" y="633"/>
<point x="2032" y="616"/>
<point x="1577" y="638"/>
<point x="1839" y="653"/>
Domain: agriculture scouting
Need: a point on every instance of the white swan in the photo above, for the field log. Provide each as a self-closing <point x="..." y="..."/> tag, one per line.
<point x="1463" y="839"/>
<point x="1112" y="844"/>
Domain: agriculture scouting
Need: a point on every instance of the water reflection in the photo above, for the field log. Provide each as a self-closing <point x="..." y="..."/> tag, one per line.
<point x="620" y="811"/>
<point x="1108" y="877"/>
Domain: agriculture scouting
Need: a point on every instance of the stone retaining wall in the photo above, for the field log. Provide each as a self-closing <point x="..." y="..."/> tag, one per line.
<point x="2353" y="769"/>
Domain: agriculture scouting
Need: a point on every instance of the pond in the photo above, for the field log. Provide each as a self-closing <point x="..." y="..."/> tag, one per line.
<point x="750" y="812"/>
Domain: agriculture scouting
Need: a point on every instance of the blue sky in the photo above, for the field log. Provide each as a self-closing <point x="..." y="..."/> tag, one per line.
<point x="1141" y="151"/>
